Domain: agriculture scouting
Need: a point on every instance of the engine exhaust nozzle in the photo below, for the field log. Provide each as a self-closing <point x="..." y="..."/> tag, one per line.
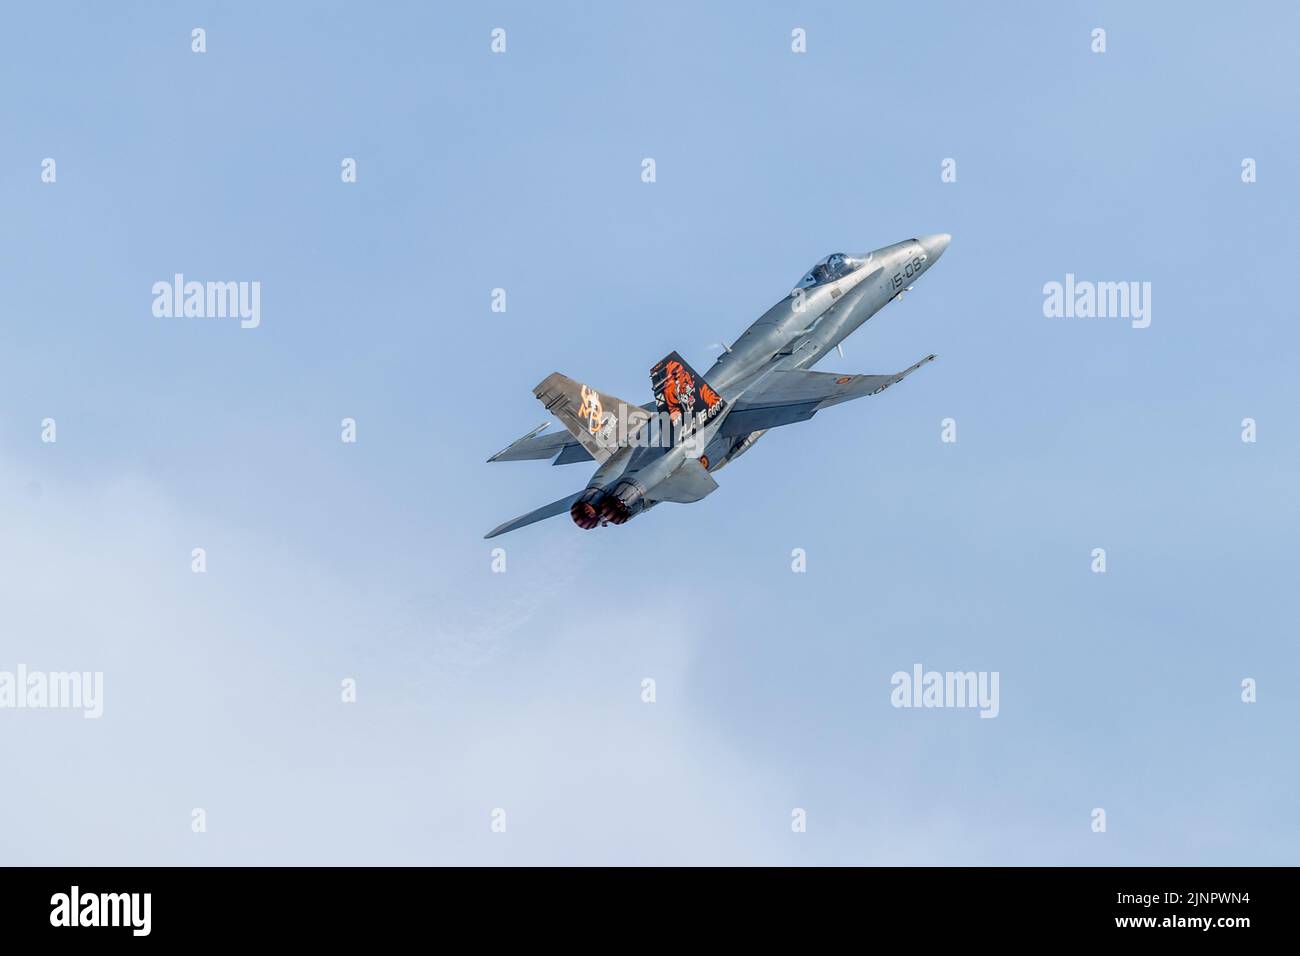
<point x="585" y="512"/>
<point x="623" y="503"/>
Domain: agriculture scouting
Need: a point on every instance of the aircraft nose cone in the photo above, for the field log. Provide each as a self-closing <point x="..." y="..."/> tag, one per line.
<point x="934" y="245"/>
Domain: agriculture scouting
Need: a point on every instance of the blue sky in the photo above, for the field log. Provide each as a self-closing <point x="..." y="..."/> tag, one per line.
<point x="521" y="690"/>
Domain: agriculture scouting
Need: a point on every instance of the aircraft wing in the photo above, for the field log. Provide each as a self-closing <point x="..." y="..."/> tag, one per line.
<point x="545" y="511"/>
<point x="794" y="395"/>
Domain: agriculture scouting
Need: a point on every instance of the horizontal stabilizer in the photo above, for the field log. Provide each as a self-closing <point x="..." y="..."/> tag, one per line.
<point x="792" y="395"/>
<point x="535" y="447"/>
<point x="532" y="445"/>
<point x="545" y="511"/>
<point x="573" y="452"/>
<point x="690" y="482"/>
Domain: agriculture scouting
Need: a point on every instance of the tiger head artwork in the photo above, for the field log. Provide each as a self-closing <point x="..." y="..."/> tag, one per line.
<point x="679" y="393"/>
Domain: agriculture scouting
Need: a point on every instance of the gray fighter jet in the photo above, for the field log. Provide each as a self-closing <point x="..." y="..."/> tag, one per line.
<point x="668" y="450"/>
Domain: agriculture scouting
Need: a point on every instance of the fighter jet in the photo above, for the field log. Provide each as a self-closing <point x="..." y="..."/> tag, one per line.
<point x="669" y="449"/>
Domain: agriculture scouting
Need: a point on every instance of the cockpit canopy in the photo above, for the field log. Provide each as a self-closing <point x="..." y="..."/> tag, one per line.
<point x="835" y="266"/>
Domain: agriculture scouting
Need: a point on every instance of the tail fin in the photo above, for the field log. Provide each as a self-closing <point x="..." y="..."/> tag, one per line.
<point x="683" y="394"/>
<point x="591" y="416"/>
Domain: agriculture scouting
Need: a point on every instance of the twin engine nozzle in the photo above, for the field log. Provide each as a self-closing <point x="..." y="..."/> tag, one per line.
<point x="596" y="506"/>
<point x="585" y="512"/>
